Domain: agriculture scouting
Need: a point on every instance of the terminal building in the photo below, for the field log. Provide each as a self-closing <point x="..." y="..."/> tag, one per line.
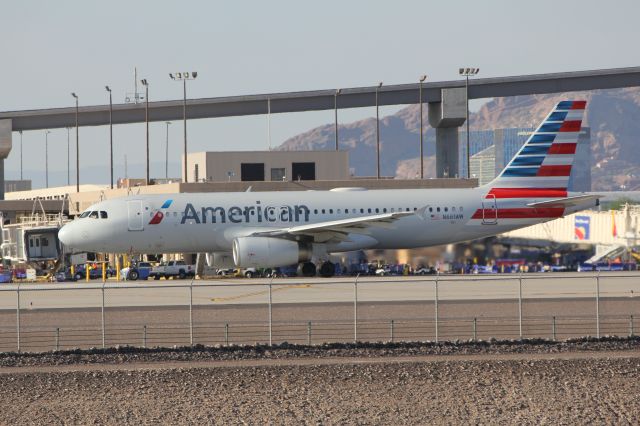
<point x="269" y="166"/>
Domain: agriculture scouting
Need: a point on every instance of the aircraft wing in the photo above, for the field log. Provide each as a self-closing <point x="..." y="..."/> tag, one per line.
<point x="566" y="202"/>
<point x="336" y="230"/>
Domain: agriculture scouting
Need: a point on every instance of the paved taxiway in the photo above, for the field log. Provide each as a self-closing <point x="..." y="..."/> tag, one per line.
<point x="317" y="290"/>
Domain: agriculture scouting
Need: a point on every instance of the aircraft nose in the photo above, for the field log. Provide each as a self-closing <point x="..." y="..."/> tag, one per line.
<point x="66" y="236"/>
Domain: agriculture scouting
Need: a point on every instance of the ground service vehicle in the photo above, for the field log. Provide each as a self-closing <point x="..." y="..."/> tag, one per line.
<point x="173" y="268"/>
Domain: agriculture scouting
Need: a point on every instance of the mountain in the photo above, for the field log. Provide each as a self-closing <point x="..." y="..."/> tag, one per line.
<point x="613" y="115"/>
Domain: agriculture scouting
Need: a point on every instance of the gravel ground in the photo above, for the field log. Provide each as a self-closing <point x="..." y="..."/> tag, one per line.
<point x="581" y="381"/>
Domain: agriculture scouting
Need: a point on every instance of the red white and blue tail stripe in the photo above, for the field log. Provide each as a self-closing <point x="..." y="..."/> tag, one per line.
<point x="545" y="160"/>
<point x="539" y="172"/>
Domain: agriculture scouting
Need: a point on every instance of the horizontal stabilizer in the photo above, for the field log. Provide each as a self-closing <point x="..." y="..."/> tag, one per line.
<point x="567" y="202"/>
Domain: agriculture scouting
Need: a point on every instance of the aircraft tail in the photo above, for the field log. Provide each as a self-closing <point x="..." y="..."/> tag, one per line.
<point x="542" y="167"/>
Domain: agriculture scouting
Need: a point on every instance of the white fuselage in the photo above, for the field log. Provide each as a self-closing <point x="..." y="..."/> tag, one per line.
<point x="209" y="222"/>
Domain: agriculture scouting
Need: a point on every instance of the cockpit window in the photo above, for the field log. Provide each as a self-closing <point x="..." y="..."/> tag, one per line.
<point x="103" y="214"/>
<point x="85" y="214"/>
<point x="93" y="215"/>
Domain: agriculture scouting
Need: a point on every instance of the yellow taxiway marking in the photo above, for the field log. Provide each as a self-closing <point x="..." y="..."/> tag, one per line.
<point x="257" y="293"/>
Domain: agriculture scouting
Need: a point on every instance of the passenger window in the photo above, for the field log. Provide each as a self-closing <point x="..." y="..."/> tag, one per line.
<point x="384" y="210"/>
<point x="339" y="211"/>
<point x="361" y="210"/>
<point x="346" y="211"/>
<point x="331" y="211"/>
<point x="103" y="214"/>
<point x="460" y="208"/>
<point x="438" y="209"/>
<point x="93" y="215"/>
<point x="315" y="211"/>
<point x="430" y="209"/>
<point x="369" y="210"/>
<point x="377" y="210"/>
<point x="323" y="211"/>
<point x="446" y="209"/>
<point x="392" y="209"/>
<point x="453" y="209"/>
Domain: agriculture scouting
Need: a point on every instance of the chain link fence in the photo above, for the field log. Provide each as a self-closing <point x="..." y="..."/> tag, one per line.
<point x="35" y="318"/>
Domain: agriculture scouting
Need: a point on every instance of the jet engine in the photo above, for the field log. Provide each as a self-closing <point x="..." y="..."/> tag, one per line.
<point x="266" y="252"/>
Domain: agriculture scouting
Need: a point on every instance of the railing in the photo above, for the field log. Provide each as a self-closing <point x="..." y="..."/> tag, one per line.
<point x="61" y="316"/>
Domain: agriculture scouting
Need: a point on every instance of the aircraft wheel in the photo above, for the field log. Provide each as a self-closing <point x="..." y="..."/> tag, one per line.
<point x="327" y="269"/>
<point x="307" y="269"/>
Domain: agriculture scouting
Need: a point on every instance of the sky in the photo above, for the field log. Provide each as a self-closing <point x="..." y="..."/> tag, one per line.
<point x="248" y="47"/>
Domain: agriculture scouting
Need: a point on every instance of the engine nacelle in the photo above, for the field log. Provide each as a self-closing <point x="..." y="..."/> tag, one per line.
<point x="266" y="252"/>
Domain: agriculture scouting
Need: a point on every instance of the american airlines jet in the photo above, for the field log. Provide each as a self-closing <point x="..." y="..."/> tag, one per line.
<point x="269" y="229"/>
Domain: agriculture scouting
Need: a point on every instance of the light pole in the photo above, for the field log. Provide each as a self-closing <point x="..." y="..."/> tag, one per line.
<point x="68" y="158"/>
<point x="46" y="158"/>
<point x="378" y="132"/>
<point x="335" y="109"/>
<point x="77" y="147"/>
<point x="166" y="153"/>
<point x="467" y="72"/>
<point x="110" y="133"/>
<point x="184" y="76"/>
<point x="20" y="131"/>
<point x="145" y="83"/>
<point x="422" y="79"/>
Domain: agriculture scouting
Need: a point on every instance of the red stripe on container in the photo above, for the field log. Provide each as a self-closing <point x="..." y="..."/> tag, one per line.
<point x="571" y="126"/>
<point x="528" y="193"/>
<point x="521" y="213"/>
<point x="562" y="148"/>
<point x="564" y="170"/>
<point x="579" y="105"/>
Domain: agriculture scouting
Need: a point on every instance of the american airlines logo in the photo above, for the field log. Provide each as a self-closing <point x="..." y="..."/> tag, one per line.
<point x="157" y="218"/>
<point x="256" y="213"/>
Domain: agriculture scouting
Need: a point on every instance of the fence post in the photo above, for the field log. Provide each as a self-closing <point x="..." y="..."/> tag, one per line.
<point x="355" y="309"/>
<point x="553" y="328"/>
<point x="475" y="330"/>
<point x="631" y="326"/>
<point x="18" y="316"/>
<point x="436" y="304"/>
<point x="391" y="331"/>
<point x="598" y="305"/>
<point x="102" y="315"/>
<point x="520" y="305"/>
<point x="57" y="338"/>
<point x="144" y="336"/>
<point x="226" y="334"/>
<point x="309" y="333"/>
<point x="270" y="313"/>
<point x="191" y="312"/>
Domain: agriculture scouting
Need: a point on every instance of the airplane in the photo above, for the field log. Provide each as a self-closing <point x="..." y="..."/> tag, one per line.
<point x="271" y="229"/>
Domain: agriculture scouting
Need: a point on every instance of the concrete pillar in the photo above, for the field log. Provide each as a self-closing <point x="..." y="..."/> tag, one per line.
<point x="446" y="116"/>
<point x="6" y="127"/>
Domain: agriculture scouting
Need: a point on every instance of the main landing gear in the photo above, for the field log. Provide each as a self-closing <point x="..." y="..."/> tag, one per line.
<point x="327" y="269"/>
<point x="308" y="269"/>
